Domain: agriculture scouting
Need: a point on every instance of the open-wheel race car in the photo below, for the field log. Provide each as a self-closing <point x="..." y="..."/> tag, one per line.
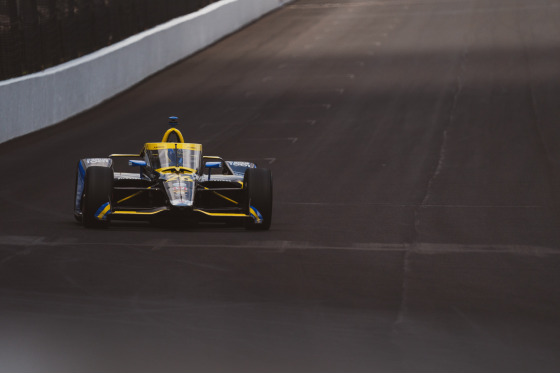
<point x="172" y="182"/>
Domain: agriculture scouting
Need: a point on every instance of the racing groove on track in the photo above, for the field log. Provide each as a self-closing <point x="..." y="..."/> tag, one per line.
<point x="414" y="151"/>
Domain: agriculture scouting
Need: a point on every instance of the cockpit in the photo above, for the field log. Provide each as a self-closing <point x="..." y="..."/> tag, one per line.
<point x="161" y="156"/>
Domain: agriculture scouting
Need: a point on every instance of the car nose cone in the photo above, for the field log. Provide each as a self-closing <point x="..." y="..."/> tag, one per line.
<point x="179" y="203"/>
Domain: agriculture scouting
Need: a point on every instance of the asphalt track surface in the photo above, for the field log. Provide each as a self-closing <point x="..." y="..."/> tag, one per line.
<point x="414" y="148"/>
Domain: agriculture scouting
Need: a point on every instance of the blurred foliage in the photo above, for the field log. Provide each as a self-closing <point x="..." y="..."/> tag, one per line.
<point x="37" y="34"/>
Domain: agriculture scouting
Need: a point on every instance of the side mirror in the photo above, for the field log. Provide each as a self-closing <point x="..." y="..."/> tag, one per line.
<point x="136" y="163"/>
<point x="142" y="164"/>
<point x="212" y="165"/>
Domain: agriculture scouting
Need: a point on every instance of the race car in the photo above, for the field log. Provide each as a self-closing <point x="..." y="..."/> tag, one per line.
<point x="172" y="182"/>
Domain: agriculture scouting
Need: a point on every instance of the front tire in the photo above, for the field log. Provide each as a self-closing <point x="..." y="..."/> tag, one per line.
<point x="97" y="192"/>
<point x="258" y="186"/>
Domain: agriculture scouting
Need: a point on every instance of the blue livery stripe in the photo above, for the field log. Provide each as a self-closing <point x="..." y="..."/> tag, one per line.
<point x="256" y="214"/>
<point x="81" y="169"/>
<point x="80" y="187"/>
<point x="103" y="211"/>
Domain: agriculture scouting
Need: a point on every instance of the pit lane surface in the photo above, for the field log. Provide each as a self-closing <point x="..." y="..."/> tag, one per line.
<point x="414" y="148"/>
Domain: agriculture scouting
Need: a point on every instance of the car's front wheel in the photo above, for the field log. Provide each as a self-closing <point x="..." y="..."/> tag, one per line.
<point x="258" y="198"/>
<point x="97" y="196"/>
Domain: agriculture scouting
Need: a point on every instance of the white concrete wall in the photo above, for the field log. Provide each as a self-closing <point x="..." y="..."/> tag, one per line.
<point x="42" y="99"/>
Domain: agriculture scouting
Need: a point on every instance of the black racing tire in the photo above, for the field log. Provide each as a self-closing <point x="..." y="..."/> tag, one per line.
<point x="258" y="194"/>
<point x="97" y="191"/>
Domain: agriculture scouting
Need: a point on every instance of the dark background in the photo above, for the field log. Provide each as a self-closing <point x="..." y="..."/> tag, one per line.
<point x="38" y="34"/>
<point x="414" y="151"/>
